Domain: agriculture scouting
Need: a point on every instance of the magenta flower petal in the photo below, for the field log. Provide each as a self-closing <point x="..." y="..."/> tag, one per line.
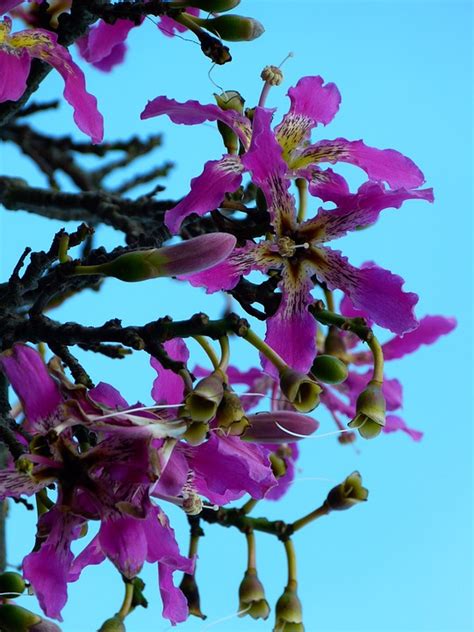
<point x="7" y="5"/>
<point x="357" y="211"/>
<point x="102" y="40"/>
<point x="175" y="605"/>
<point x="168" y="387"/>
<point x="29" y="377"/>
<point x="90" y="556"/>
<point x="116" y="57"/>
<point x="428" y="331"/>
<point x="123" y="541"/>
<point x="291" y="331"/>
<point x="48" y="568"/>
<point x="394" y="423"/>
<point x="162" y="545"/>
<point x="14" y="70"/>
<point x="334" y="404"/>
<point x="280" y="426"/>
<point x="225" y="468"/>
<point x="325" y="183"/>
<point x="226" y="275"/>
<point x="13" y="484"/>
<point x="195" y="254"/>
<point x="193" y="113"/>
<point x="384" y="165"/>
<point x="207" y="190"/>
<point x="108" y="395"/>
<point x="174" y="476"/>
<point x="373" y="289"/>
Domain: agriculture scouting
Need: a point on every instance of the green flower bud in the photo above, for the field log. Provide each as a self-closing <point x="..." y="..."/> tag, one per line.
<point x="288" y="611"/>
<point x="196" y="433"/>
<point x="230" y="100"/>
<point x="370" y="411"/>
<point x="230" y="415"/>
<point x="14" y="618"/>
<point x="193" y="255"/>
<point x="232" y="28"/>
<point x="45" y="626"/>
<point x="329" y="369"/>
<point x="11" y="585"/>
<point x="213" y="6"/>
<point x="114" y="624"/>
<point x="252" y="596"/>
<point x="202" y="402"/>
<point x="349" y="493"/>
<point x="300" y="390"/>
<point x="334" y="342"/>
<point x="191" y="591"/>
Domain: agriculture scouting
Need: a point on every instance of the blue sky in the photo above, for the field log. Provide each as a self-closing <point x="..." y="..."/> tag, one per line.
<point x="400" y="562"/>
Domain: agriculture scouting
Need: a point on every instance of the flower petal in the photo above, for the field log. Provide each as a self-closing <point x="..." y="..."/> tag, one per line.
<point x="372" y="289"/>
<point x="193" y="113"/>
<point x="123" y="541"/>
<point x="90" y="556"/>
<point x="207" y="190"/>
<point x="44" y="46"/>
<point x="357" y="210"/>
<point x="291" y="331"/>
<point x="325" y="183"/>
<point x="394" y="423"/>
<point x="168" y="386"/>
<point x="105" y="42"/>
<point x="428" y="331"/>
<point x="311" y="103"/>
<point x="14" y="484"/>
<point x="29" y="377"/>
<point x="384" y="165"/>
<point x="175" y="605"/>
<point x="14" y="70"/>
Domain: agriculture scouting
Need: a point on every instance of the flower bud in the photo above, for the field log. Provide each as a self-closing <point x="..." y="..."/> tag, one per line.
<point x="11" y="585"/>
<point x="230" y="415"/>
<point x="202" y="402"/>
<point x="114" y="624"/>
<point x="349" y="493"/>
<point x="334" y="342"/>
<point x="370" y="411"/>
<point x="252" y="596"/>
<point x="300" y="390"/>
<point x="213" y="6"/>
<point x="14" y="618"/>
<point x="230" y="100"/>
<point x="280" y="426"/>
<point x="232" y="28"/>
<point x="190" y="590"/>
<point x="196" y="433"/>
<point x="288" y="611"/>
<point x="45" y="626"/>
<point x="193" y="255"/>
<point x="272" y="75"/>
<point x="329" y="369"/>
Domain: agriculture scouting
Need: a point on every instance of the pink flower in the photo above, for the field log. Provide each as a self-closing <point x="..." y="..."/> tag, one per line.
<point x="16" y="52"/>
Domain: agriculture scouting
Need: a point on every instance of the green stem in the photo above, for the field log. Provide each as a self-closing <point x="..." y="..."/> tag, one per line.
<point x="377" y="352"/>
<point x="127" y="601"/>
<point x="291" y="559"/>
<point x="303" y="198"/>
<point x="63" y="248"/>
<point x="267" y="351"/>
<point x="186" y="20"/>
<point x="314" y="515"/>
<point x="251" y="550"/>
<point x="249" y="505"/>
<point x="225" y="353"/>
<point x="329" y="299"/>
<point x="211" y="354"/>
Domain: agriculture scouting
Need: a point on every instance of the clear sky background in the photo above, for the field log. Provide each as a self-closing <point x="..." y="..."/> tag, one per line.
<point x="402" y="561"/>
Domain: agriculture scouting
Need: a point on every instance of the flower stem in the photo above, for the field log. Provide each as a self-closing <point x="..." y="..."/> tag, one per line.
<point x="377" y="352"/>
<point x="225" y="353"/>
<point x="249" y="505"/>
<point x="303" y="198"/>
<point x="251" y="550"/>
<point x="291" y="559"/>
<point x="314" y="515"/>
<point x="211" y="354"/>
<point x="127" y="601"/>
<point x="63" y="248"/>
<point x="267" y="351"/>
<point x="329" y="299"/>
<point x="264" y="94"/>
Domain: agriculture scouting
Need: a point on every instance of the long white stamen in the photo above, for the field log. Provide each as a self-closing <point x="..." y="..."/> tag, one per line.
<point x="139" y="409"/>
<point x="231" y="616"/>
<point x="303" y="436"/>
<point x="290" y="54"/>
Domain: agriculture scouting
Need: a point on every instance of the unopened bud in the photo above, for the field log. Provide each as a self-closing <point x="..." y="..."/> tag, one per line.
<point x="45" y="626"/>
<point x="213" y="6"/>
<point x="300" y="390"/>
<point x="114" y="624"/>
<point x="280" y="426"/>
<point x="230" y="415"/>
<point x="190" y="590"/>
<point x="329" y="369"/>
<point x="14" y="618"/>
<point x="232" y="28"/>
<point x="288" y="611"/>
<point x="349" y="493"/>
<point x="11" y="585"/>
<point x="193" y="255"/>
<point x="272" y="75"/>
<point x="230" y="100"/>
<point x="252" y="596"/>
<point x="334" y="342"/>
<point x="202" y="402"/>
<point x="370" y="411"/>
<point x="196" y="433"/>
